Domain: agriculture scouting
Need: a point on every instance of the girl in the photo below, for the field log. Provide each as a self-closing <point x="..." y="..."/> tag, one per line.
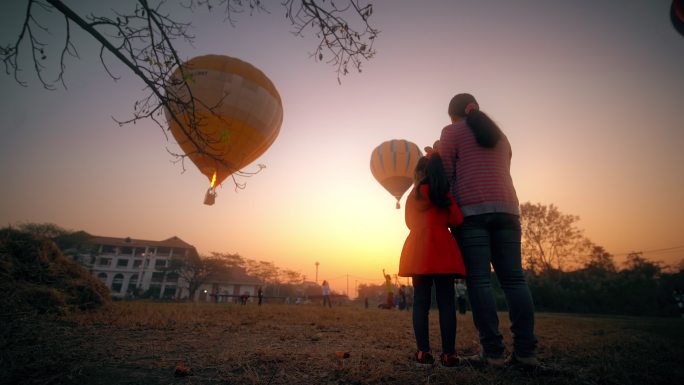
<point x="430" y="255"/>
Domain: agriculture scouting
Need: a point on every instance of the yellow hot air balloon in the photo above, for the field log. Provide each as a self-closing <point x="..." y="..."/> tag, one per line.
<point x="392" y="164"/>
<point x="238" y="113"/>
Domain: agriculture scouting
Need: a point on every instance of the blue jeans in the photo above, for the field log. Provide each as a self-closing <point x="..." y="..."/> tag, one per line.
<point x="444" y="288"/>
<point x="495" y="238"/>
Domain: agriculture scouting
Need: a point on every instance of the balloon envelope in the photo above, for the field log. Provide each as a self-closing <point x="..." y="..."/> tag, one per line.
<point x="677" y="15"/>
<point x="393" y="163"/>
<point x="238" y="113"/>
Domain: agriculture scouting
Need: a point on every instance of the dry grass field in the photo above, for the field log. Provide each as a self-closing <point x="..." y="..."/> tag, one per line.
<point x="144" y="343"/>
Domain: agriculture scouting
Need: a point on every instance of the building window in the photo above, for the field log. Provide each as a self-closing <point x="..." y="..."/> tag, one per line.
<point x="108" y="249"/>
<point x="103" y="277"/>
<point x="165" y="251"/>
<point x="122" y="263"/>
<point x="139" y="251"/>
<point x="172" y="278"/>
<point x="133" y="283"/>
<point x="157" y="277"/>
<point x="160" y="263"/>
<point x="105" y="261"/>
<point x="126" y="251"/>
<point x="154" y="291"/>
<point x="137" y="263"/>
<point x="169" y="292"/>
<point x="179" y="252"/>
<point x="117" y="283"/>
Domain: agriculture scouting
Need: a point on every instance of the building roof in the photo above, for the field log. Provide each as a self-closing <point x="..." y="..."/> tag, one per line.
<point x="130" y="242"/>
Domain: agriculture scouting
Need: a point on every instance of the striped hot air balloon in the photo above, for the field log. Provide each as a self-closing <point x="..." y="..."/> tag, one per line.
<point x="392" y="164"/>
<point x="244" y="120"/>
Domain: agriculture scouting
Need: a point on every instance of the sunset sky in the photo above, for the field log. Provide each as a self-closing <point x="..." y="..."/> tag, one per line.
<point x="589" y="93"/>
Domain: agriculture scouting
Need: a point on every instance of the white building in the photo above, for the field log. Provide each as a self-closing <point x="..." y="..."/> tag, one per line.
<point x="134" y="266"/>
<point x="129" y="265"/>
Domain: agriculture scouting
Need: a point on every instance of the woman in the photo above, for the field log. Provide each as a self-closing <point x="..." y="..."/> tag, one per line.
<point x="476" y="157"/>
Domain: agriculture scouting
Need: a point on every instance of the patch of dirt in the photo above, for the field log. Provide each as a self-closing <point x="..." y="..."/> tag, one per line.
<point x="144" y="342"/>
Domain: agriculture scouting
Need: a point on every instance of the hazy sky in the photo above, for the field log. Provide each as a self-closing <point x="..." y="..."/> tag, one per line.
<point x="589" y="93"/>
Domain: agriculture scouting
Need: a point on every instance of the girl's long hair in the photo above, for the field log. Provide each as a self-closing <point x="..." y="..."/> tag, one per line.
<point x="435" y="177"/>
<point x="487" y="133"/>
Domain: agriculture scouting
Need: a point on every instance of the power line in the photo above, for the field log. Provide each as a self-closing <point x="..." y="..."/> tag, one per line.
<point x="651" y="251"/>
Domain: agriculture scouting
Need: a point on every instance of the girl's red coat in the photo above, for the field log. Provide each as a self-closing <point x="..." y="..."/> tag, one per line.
<point x="430" y="248"/>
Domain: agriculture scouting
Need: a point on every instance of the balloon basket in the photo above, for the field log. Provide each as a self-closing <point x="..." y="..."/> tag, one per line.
<point x="210" y="197"/>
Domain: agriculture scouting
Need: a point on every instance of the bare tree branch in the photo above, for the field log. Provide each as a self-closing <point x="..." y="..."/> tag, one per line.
<point x="144" y="40"/>
<point x="345" y="44"/>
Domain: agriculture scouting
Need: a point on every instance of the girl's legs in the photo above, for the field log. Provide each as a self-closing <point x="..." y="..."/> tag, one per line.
<point x="444" y="285"/>
<point x="422" y="286"/>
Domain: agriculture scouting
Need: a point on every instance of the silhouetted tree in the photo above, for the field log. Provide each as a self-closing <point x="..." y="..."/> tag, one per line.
<point x="230" y="259"/>
<point x="195" y="270"/>
<point x="637" y="265"/>
<point x="374" y="292"/>
<point x="290" y="276"/>
<point x="43" y="230"/>
<point x="74" y="244"/>
<point x="600" y="262"/>
<point x="551" y="240"/>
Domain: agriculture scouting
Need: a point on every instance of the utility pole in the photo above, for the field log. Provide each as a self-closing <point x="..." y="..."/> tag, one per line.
<point x="317" y="272"/>
<point x="347" y="286"/>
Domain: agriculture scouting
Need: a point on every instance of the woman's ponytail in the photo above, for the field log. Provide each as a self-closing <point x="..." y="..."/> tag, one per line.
<point x="487" y="133"/>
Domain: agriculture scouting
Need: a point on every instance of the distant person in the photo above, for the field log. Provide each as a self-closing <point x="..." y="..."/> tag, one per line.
<point x="365" y="302"/>
<point x="431" y="257"/>
<point x="326" y="293"/>
<point x="389" y="304"/>
<point x="260" y="295"/>
<point x="244" y="298"/>
<point x="461" y="294"/>
<point x="477" y="160"/>
<point x="409" y="298"/>
<point x="679" y="298"/>
<point x="402" y="297"/>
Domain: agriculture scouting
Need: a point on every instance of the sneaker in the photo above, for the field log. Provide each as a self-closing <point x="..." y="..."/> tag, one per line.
<point x="424" y="360"/>
<point x="482" y="361"/>
<point x="496" y="362"/>
<point x="525" y="363"/>
<point x="450" y="361"/>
